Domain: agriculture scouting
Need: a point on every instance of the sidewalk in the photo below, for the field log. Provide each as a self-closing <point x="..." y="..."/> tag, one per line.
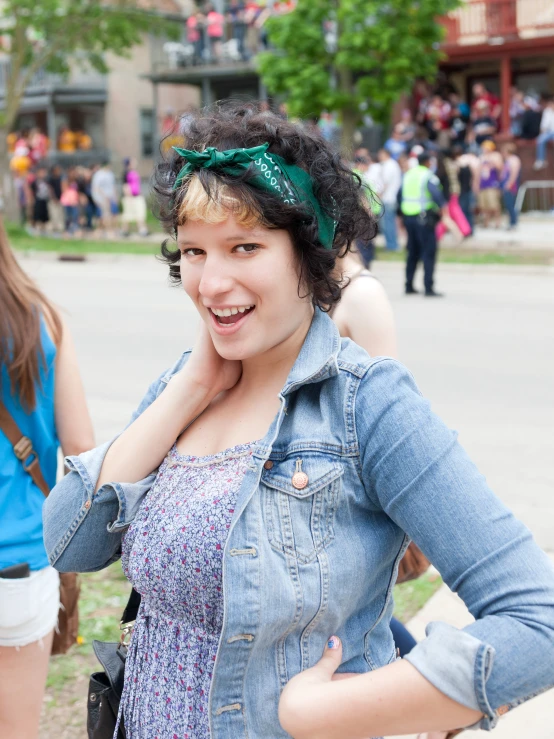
<point x="533" y="720"/>
<point x="533" y="234"/>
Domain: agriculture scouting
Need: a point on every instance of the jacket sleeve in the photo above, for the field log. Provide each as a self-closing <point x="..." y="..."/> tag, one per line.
<point x="414" y="469"/>
<point x="83" y="530"/>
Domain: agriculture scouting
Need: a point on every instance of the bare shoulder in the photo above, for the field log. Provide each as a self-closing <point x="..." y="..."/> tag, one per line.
<point x="365" y="291"/>
<point x="368" y="318"/>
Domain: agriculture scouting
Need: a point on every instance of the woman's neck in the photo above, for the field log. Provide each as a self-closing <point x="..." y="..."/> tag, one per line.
<point x="269" y="371"/>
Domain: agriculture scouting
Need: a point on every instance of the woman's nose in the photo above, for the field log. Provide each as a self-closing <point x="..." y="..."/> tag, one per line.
<point x="216" y="278"/>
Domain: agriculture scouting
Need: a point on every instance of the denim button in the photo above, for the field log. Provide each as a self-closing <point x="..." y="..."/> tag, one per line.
<point x="268" y="465"/>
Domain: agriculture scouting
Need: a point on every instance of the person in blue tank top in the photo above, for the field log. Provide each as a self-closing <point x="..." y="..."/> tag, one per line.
<point x="41" y="389"/>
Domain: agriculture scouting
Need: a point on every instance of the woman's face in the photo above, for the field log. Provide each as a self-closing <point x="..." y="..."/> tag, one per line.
<point x="244" y="283"/>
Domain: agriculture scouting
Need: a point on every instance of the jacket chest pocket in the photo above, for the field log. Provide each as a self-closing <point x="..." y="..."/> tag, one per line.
<point x="300" y="497"/>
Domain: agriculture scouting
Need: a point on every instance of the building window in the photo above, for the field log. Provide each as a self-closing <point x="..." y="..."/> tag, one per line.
<point x="147" y="132"/>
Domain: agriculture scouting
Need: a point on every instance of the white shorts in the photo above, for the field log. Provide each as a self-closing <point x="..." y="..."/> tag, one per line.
<point x="29" y="607"/>
<point x="133" y="209"/>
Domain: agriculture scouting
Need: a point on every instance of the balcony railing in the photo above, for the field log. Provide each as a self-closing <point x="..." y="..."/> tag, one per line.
<point x="43" y="81"/>
<point x="498" y="21"/>
<point x="232" y="48"/>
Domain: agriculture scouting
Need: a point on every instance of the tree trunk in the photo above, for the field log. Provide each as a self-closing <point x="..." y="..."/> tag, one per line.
<point x="349" y="114"/>
<point x="7" y="187"/>
<point x="348" y="129"/>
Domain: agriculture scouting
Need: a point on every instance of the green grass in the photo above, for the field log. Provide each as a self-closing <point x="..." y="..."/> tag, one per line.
<point x="103" y="597"/>
<point x="467" y="256"/>
<point x="21" y="240"/>
<point x="410" y="597"/>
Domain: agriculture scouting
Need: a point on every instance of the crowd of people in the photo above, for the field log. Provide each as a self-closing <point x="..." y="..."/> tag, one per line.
<point x="32" y="145"/>
<point x="477" y="176"/>
<point x="81" y="199"/>
<point x="238" y="33"/>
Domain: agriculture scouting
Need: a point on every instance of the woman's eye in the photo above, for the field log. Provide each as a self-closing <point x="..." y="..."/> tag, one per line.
<point x="192" y="252"/>
<point x="242" y="248"/>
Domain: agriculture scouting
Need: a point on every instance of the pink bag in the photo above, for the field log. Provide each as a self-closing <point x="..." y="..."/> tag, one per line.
<point x="456" y="213"/>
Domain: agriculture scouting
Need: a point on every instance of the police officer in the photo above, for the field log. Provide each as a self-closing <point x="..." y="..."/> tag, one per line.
<point x="421" y="204"/>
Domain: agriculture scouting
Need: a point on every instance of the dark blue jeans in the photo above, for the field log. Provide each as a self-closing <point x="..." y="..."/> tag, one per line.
<point x="422" y="246"/>
<point x="510" y="205"/>
<point x="404" y="641"/>
<point x="467" y="202"/>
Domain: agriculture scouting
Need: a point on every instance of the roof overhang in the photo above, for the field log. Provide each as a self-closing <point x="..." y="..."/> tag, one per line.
<point x="498" y="48"/>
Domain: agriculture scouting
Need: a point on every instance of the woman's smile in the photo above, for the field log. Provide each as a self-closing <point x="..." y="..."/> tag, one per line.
<point x="226" y="321"/>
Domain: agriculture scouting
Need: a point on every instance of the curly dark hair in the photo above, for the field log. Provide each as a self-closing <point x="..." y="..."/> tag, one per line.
<point x="230" y="125"/>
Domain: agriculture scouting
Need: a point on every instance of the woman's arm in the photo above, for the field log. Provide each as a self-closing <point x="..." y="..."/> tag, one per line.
<point x="87" y="513"/>
<point x="143" y="445"/>
<point x="394" y="700"/>
<point x="416" y="471"/>
<point x="73" y="424"/>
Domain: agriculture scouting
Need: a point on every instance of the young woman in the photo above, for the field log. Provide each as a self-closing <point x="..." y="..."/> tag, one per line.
<point x="41" y="391"/>
<point x="266" y="488"/>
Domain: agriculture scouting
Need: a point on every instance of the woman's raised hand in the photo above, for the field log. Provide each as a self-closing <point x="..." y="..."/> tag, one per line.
<point x="208" y="369"/>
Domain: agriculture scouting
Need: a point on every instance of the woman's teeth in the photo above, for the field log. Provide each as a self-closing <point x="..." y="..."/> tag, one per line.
<point x="224" y="312"/>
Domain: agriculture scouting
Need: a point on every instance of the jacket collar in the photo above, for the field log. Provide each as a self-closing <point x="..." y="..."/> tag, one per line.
<point x="317" y="360"/>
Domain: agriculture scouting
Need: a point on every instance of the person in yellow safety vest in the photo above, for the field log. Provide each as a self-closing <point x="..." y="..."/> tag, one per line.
<point x="421" y="202"/>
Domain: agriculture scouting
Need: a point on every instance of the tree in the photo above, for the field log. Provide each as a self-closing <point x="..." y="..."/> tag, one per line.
<point x="55" y="34"/>
<point x="351" y="56"/>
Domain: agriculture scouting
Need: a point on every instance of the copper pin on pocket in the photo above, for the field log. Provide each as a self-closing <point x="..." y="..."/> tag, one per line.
<point x="299" y="479"/>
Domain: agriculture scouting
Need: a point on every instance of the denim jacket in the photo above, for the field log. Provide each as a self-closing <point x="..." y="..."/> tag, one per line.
<point x="302" y="564"/>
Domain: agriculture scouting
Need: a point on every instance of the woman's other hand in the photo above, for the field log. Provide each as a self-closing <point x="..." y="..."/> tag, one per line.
<point x="320" y="703"/>
<point x="302" y="696"/>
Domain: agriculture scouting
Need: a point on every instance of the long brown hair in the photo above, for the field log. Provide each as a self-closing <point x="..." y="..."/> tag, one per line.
<point x="21" y="306"/>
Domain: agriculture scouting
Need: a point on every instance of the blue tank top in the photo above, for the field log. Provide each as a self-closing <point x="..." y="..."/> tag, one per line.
<point x="20" y="500"/>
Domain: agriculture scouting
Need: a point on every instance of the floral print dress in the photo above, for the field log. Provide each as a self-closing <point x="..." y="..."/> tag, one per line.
<point x="172" y="554"/>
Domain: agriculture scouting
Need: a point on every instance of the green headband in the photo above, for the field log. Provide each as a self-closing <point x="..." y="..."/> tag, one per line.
<point x="272" y="174"/>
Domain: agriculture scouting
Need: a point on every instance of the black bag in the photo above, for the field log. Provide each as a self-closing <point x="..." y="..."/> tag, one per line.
<point x="105" y="688"/>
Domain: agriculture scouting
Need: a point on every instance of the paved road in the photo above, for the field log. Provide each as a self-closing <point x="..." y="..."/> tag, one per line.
<point x="484" y="356"/>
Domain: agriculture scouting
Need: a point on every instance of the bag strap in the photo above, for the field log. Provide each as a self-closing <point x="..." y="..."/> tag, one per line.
<point x="23" y="449"/>
<point x="131" y="609"/>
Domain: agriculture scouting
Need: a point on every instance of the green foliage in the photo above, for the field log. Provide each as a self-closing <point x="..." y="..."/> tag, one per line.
<point x="54" y="34"/>
<point x="410" y="597"/>
<point x="356" y="55"/>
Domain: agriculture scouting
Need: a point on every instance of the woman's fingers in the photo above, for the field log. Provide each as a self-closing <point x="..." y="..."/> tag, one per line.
<point x="330" y="661"/>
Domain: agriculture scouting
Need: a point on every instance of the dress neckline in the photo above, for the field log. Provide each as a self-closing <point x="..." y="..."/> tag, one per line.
<point x="233" y="452"/>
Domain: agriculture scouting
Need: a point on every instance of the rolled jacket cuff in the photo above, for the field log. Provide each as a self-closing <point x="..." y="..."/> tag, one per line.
<point x="458" y="665"/>
<point x="129" y="494"/>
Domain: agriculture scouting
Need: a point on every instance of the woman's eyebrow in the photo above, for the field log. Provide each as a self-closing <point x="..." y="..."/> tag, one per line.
<point x="240" y="237"/>
<point x="235" y="237"/>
